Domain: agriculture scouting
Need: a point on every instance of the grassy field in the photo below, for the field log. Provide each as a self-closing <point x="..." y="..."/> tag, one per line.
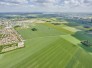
<point x="42" y="31"/>
<point x="48" y="47"/>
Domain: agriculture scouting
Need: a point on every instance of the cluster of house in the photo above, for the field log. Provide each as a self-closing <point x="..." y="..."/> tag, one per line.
<point x="10" y="39"/>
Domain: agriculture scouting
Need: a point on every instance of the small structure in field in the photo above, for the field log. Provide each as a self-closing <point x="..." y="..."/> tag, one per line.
<point x="86" y="43"/>
<point x="34" y="29"/>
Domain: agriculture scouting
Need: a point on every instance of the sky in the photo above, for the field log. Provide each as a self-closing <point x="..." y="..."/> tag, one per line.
<point x="45" y="5"/>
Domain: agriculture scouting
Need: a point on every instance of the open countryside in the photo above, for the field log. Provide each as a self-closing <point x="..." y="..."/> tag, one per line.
<point x="48" y="42"/>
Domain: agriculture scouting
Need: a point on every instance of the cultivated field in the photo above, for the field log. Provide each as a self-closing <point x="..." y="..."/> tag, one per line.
<point x="50" y="46"/>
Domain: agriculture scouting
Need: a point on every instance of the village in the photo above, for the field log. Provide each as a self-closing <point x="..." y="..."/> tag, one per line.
<point x="10" y="39"/>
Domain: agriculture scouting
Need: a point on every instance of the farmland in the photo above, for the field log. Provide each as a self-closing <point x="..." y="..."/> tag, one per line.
<point x="51" y="46"/>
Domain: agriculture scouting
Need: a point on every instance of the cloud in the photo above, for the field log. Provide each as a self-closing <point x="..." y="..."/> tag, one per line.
<point x="44" y="2"/>
<point x="13" y="2"/>
<point x="51" y="5"/>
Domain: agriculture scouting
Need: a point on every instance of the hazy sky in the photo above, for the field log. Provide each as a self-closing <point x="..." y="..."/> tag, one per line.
<point x="45" y="5"/>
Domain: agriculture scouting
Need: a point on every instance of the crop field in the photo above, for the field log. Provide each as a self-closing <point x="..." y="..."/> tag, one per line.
<point x="41" y="32"/>
<point x="49" y="47"/>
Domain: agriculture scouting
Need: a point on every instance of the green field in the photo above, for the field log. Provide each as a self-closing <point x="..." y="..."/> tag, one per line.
<point x="49" y="47"/>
